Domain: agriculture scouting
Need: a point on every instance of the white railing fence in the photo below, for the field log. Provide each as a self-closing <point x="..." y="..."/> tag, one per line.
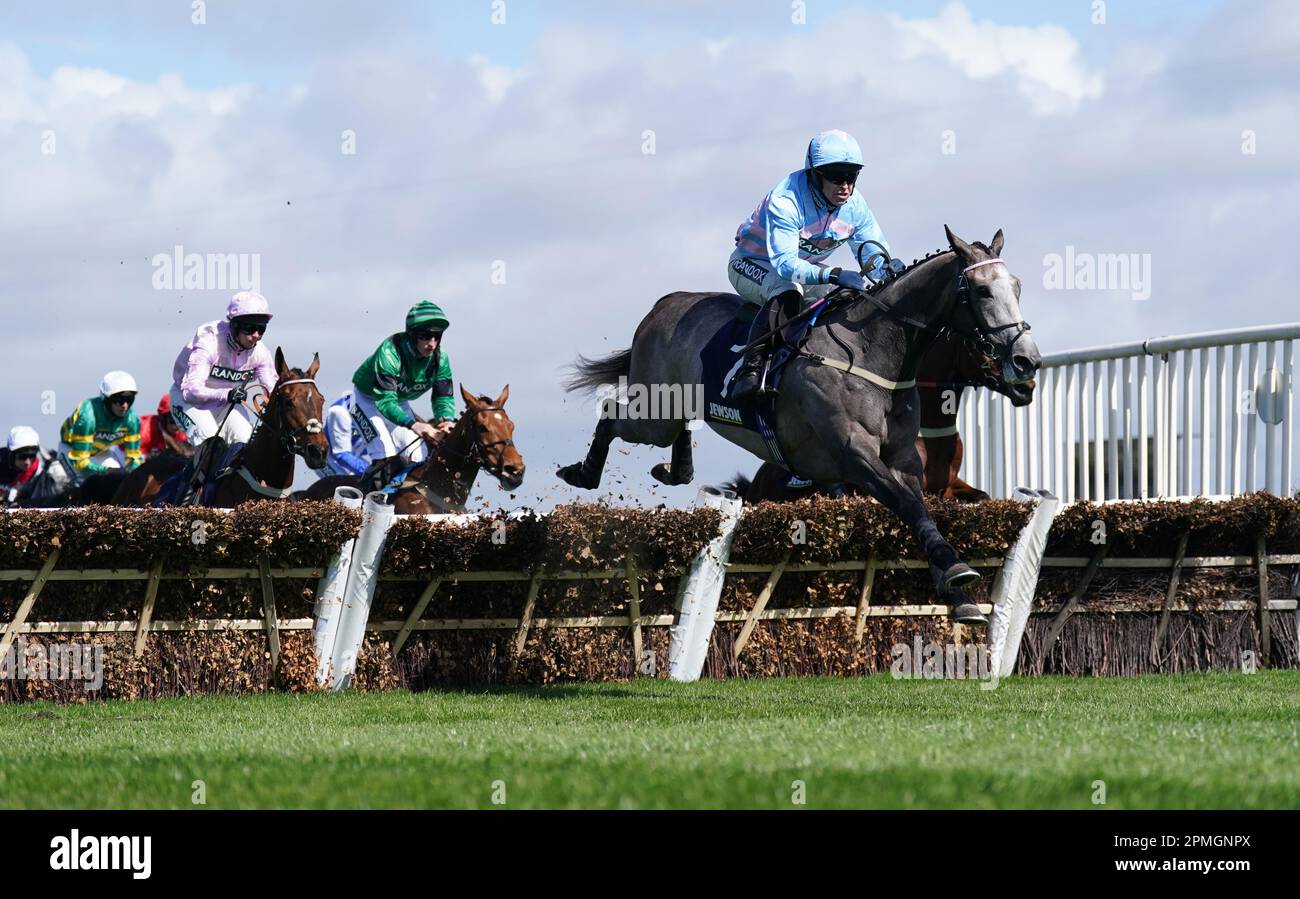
<point x="1200" y="414"/>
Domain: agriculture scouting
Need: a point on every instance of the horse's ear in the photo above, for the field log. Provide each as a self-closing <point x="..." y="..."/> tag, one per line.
<point x="501" y="400"/>
<point x="314" y="367"/>
<point x="471" y="401"/>
<point x="995" y="245"/>
<point x="963" y="249"/>
<point x="280" y="368"/>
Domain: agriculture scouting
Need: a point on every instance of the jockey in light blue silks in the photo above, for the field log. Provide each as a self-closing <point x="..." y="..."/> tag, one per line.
<point x="781" y="247"/>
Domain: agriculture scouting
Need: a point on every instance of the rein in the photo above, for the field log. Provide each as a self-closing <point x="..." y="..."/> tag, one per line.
<point x="293" y="444"/>
<point x="473" y="456"/>
<point x="980" y="340"/>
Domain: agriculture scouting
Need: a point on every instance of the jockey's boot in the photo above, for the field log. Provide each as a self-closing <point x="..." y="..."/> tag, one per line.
<point x="745" y="386"/>
<point x="192" y="478"/>
<point x="749" y="384"/>
<point x="381" y="472"/>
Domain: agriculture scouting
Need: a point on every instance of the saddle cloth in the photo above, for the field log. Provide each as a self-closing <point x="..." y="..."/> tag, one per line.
<point x="720" y="361"/>
<point x="172" y="487"/>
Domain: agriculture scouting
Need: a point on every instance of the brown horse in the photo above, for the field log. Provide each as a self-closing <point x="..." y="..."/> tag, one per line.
<point x="482" y="438"/>
<point x="290" y="426"/>
<point x="950" y="365"/>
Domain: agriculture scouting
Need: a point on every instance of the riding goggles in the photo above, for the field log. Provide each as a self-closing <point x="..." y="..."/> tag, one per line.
<point x="840" y="173"/>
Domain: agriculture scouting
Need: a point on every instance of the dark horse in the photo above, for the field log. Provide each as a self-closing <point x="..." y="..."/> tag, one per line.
<point x="947" y="368"/>
<point x="290" y="426"/>
<point x="850" y="420"/>
<point x="483" y="438"/>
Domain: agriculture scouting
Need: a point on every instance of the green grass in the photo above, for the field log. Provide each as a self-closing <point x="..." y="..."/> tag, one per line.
<point x="1197" y="741"/>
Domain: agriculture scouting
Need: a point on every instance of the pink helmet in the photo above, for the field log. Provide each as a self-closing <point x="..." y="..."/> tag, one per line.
<point x="247" y="302"/>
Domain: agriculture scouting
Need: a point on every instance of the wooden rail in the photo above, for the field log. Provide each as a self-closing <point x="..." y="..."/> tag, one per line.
<point x="271" y="624"/>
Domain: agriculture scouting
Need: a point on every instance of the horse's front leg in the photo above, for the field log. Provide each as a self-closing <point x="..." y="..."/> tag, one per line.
<point x="899" y="489"/>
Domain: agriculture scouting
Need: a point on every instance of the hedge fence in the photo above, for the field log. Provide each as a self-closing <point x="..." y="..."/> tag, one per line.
<point x="188" y="601"/>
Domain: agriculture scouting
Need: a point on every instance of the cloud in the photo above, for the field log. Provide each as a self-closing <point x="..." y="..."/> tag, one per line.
<point x="463" y="162"/>
<point x="1045" y="61"/>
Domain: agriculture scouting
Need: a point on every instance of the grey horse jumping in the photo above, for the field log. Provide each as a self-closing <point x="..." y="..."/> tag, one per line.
<point x="847" y="410"/>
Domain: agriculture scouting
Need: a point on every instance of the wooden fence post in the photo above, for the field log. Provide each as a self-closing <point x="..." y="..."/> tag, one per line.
<point x="268" y="613"/>
<point x="146" y="609"/>
<point x="760" y="604"/>
<point x="420" y="605"/>
<point x="1058" y="623"/>
<point x="1265" y="637"/>
<point x="25" y="607"/>
<point x="634" y="611"/>
<point x="526" y="620"/>
<point x="1174" y="576"/>
<point x="864" y="598"/>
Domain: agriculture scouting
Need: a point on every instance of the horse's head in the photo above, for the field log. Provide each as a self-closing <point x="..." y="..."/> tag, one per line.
<point x="987" y="314"/>
<point x="492" y="435"/>
<point x="297" y="408"/>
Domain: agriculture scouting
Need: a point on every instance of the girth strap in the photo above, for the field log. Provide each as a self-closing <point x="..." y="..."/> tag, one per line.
<point x="862" y="373"/>
<point x="938" y="432"/>
<point x="272" y="492"/>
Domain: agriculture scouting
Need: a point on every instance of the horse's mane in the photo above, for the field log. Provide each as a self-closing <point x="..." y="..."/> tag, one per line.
<point x="928" y="257"/>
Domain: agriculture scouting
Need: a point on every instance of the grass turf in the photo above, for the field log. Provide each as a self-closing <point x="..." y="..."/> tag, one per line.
<point x="1195" y="741"/>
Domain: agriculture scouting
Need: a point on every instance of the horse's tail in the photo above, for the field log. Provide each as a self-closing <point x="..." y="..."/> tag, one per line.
<point x="739" y="485"/>
<point x="589" y="374"/>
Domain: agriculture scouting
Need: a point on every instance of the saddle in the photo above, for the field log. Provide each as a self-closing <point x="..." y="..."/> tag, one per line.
<point x="386" y="475"/>
<point x="720" y="360"/>
<point x="193" y="484"/>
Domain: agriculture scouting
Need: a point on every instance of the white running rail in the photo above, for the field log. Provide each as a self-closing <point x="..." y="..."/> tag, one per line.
<point x="1207" y="414"/>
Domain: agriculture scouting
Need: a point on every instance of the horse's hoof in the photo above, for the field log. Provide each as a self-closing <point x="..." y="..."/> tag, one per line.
<point x="968" y="613"/>
<point x="574" y="476"/>
<point x="959" y="575"/>
<point x="663" y="473"/>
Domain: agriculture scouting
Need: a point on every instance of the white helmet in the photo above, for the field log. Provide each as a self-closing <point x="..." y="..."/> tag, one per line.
<point x="23" y="437"/>
<point x="248" y="302"/>
<point x="117" y="382"/>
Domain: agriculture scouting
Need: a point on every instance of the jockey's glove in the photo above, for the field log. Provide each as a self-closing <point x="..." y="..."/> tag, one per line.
<point x="237" y="395"/>
<point x="850" y="279"/>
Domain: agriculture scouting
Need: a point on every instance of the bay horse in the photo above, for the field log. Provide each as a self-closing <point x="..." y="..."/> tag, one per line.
<point x="290" y="426"/>
<point x="836" y="420"/>
<point x="948" y="367"/>
<point x="482" y="439"/>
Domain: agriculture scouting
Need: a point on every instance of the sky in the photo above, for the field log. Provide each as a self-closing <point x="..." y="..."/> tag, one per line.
<point x="498" y="165"/>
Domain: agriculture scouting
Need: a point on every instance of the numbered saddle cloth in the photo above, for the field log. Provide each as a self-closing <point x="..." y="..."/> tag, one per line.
<point x="721" y="358"/>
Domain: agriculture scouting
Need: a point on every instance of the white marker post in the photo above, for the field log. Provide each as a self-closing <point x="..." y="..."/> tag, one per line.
<point x="1013" y="594"/>
<point x="329" y="592"/>
<point x="700" y="590"/>
<point x="360" y="590"/>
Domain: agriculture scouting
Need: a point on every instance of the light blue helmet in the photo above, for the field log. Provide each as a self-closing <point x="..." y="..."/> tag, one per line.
<point x="831" y="147"/>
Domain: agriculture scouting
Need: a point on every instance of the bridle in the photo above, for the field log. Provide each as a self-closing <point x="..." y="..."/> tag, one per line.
<point x="980" y="337"/>
<point x="297" y="442"/>
<point x="477" y="446"/>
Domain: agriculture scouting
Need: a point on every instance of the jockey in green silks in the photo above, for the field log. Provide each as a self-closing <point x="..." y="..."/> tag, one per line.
<point x="403" y="368"/>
